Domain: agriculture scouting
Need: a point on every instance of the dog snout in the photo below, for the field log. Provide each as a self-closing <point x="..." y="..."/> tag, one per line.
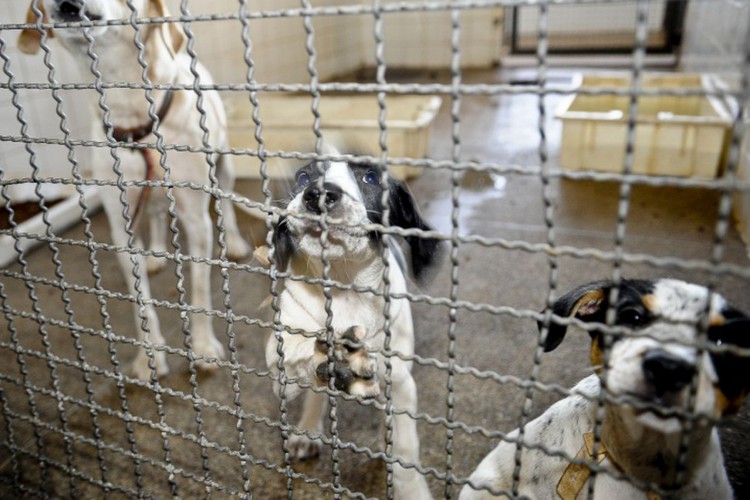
<point x="666" y="372"/>
<point x="313" y="195"/>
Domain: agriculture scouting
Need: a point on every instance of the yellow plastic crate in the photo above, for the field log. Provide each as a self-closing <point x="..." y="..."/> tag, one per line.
<point x="674" y="135"/>
<point x="350" y="120"/>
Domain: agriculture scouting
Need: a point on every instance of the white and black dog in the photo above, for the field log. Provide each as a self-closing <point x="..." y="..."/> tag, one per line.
<point x="650" y="371"/>
<point x="349" y="195"/>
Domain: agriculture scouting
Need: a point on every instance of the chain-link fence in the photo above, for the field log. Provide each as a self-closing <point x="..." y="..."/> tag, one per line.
<point x="94" y="403"/>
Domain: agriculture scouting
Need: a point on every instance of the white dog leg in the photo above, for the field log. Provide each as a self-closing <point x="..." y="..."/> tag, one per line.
<point x="140" y="367"/>
<point x="197" y="224"/>
<point x="237" y="247"/>
<point x="157" y="225"/>
<point x="302" y="447"/>
<point x="407" y="482"/>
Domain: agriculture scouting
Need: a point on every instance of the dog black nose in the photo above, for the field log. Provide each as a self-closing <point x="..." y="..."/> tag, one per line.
<point x="73" y="10"/>
<point x="313" y="195"/>
<point x="667" y="373"/>
<point x="70" y="8"/>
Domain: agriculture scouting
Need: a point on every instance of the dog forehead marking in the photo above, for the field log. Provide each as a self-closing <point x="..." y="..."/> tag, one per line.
<point x="340" y="174"/>
<point x="680" y="301"/>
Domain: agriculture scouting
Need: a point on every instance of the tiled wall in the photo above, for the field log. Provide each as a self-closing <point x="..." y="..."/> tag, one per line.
<point x="423" y="39"/>
<point x="715" y="41"/>
<point x="586" y="20"/>
<point x="278" y="43"/>
<point x="715" y="36"/>
<point x="343" y="43"/>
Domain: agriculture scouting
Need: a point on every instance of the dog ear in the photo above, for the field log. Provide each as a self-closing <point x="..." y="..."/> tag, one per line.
<point x="732" y="329"/>
<point x="283" y="245"/>
<point x="587" y="303"/>
<point x="30" y="39"/>
<point x="425" y="252"/>
<point x="171" y="34"/>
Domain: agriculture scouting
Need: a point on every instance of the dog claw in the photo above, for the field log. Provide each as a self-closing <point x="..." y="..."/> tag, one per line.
<point x="354" y="367"/>
<point x="155" y="264"/>
<point x="141" y="370"/>
<point x="237" y="247"/>
<point x="303" y="448"/>
<point x="208" y="351"/>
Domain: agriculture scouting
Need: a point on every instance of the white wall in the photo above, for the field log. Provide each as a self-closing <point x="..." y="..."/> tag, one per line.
<point x="278" y="44"/>
<point x="715" y="38"/>
<point x="278" y="50"/>
<point x="343" y="43"/>
<point x="423" y="39"/>
<point x="590" y="19"/>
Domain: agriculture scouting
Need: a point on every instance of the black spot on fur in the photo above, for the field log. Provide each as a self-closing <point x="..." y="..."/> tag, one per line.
<point x="546" y="424"/>
<point x="283" y="244"/>
<point x="424" y="252"/>
<point x="403" y="213"/>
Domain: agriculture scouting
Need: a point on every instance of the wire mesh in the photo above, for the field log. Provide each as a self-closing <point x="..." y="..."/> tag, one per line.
<point x="518" y="230"/>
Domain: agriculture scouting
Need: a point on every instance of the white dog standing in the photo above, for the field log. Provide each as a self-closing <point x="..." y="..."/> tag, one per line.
<point x="179" y="125"/>
<point x="351" y="195"/>
<point x="654" y="366"/>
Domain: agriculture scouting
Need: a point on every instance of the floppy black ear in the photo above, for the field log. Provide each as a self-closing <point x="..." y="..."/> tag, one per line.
<point x="732" y="368"/>
<point x="425" y="252"/>
<point x="283" y="244"/>
<point x="587" y="303"/>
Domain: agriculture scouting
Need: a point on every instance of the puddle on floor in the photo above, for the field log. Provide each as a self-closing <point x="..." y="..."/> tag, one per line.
<point x="477" y="188"/>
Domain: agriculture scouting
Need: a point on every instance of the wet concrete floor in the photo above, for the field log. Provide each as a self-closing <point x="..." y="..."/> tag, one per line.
<point x="120" y="434"/>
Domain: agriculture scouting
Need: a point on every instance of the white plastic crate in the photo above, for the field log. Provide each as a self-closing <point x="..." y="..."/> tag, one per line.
<point x="674" y="135"/>
<point x="351" y="120"/>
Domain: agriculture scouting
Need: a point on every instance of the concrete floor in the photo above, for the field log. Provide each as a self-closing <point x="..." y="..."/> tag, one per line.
<point x="122" y="434"/>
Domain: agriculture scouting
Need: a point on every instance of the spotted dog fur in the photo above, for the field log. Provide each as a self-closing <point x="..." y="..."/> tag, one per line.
<point x="655" y="366"/>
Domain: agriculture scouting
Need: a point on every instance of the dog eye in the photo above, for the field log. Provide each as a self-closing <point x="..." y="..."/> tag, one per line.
<point x="370" y="177"/>
<point x="303" y="179"/>
<point x="630" y="317"/>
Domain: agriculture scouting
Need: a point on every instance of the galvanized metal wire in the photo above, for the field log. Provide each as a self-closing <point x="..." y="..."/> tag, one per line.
<point x="54" y="436"/>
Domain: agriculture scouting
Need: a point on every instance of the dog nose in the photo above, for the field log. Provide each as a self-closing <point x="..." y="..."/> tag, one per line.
<point x="313" y="195"/>
<point x="667" y="373"/>
<point x="70" y="7"/>
<point x="74" y="11"/>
